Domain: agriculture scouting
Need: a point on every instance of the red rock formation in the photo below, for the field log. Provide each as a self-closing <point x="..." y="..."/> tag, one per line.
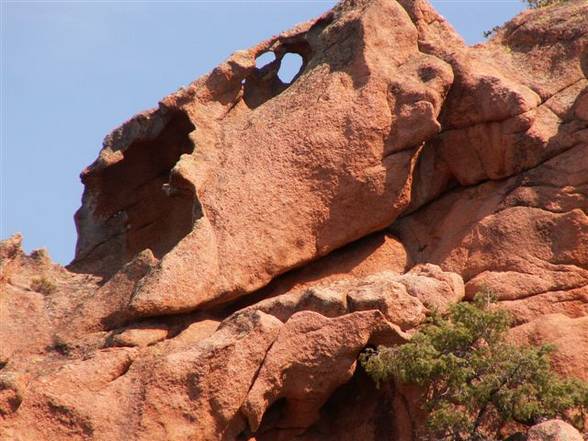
<point x="242" y="243"/>
<point x="554" y="430"/>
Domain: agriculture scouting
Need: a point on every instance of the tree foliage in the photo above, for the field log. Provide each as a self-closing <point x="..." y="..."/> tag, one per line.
<point x="474" y="382"/>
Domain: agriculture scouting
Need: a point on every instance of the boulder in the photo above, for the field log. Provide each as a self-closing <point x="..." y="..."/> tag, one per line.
<point x="554" y="430"/>
<point x="568" y="335"/>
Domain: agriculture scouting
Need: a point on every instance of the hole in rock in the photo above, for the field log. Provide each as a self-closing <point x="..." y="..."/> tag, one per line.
<point x="356" y="410"/>
<point x="148" y="212"/>
<point x="290" y="67"/>
<point x="264" y="59"/>
<point x="276" y="71"/>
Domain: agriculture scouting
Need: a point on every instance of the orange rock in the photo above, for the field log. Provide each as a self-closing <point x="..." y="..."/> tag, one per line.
<point x="332" y="155"/>
<point x="554" y="430"/>
<point x="568" y="335"/>
<point x="311" y="357"/>
<point x="525" y="238"/>
<point x="241" y="244"/>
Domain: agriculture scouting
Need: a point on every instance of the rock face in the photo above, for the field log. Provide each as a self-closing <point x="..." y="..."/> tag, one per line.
<point x="554" y="430"/>
<point x="243" y="242"/>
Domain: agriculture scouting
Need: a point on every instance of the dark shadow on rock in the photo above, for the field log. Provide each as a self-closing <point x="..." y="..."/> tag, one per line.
<point x="130" y="206"/>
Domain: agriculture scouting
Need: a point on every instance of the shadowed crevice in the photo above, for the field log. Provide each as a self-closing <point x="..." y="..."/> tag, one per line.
<point x="130" y="205"/>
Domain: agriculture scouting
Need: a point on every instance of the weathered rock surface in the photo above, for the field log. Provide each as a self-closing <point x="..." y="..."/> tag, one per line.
<point x="241" y="244"/>
<point x="569" y="335"/>
<point x="526" y="237"/>
<point x="311" y="357"/>
<point x="554" y="430"/>
<point x="325" y="161"/>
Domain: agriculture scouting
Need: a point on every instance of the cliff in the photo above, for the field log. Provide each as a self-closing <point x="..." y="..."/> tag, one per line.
<point x="243" y="242"/>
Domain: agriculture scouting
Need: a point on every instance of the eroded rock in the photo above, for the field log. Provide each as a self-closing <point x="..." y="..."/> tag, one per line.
<point x="241" y="244"/>
<point x="311" y="357"/>
<point x="569" y="337"/>
<point x="554" y="430"/>
<point x="404" y="299"/>
<point x="326" y="130"/>
<point x="524" y="238"/>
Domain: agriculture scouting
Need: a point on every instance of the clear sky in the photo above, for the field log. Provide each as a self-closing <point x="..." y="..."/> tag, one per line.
<point x="73" y="71"/>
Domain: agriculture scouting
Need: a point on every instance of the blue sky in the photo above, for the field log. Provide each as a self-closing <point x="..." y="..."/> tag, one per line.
<point x="73" y="71"/>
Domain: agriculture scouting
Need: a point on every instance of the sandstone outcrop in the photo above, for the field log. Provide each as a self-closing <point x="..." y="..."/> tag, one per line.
<point x="242" y="243"/>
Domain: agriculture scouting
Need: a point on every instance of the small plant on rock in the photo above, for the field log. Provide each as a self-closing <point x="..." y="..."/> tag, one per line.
<point x="60" y="345"/>
<point x="43" y="285"/>
<point x="535" y="4"/>
<point x="488" y="34"/>
<point x="474" y="382"/>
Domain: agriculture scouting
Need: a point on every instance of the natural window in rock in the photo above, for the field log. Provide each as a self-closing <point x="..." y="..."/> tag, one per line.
<point x="275" y="71"/>
<point x="264" y="59"/>
<point x="290" y="67"/>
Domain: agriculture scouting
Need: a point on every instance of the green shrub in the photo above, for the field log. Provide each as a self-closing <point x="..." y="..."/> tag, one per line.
<point x="43" y="285"/>
<point x="60" y="345"/>
<point x="474" y="383"/>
